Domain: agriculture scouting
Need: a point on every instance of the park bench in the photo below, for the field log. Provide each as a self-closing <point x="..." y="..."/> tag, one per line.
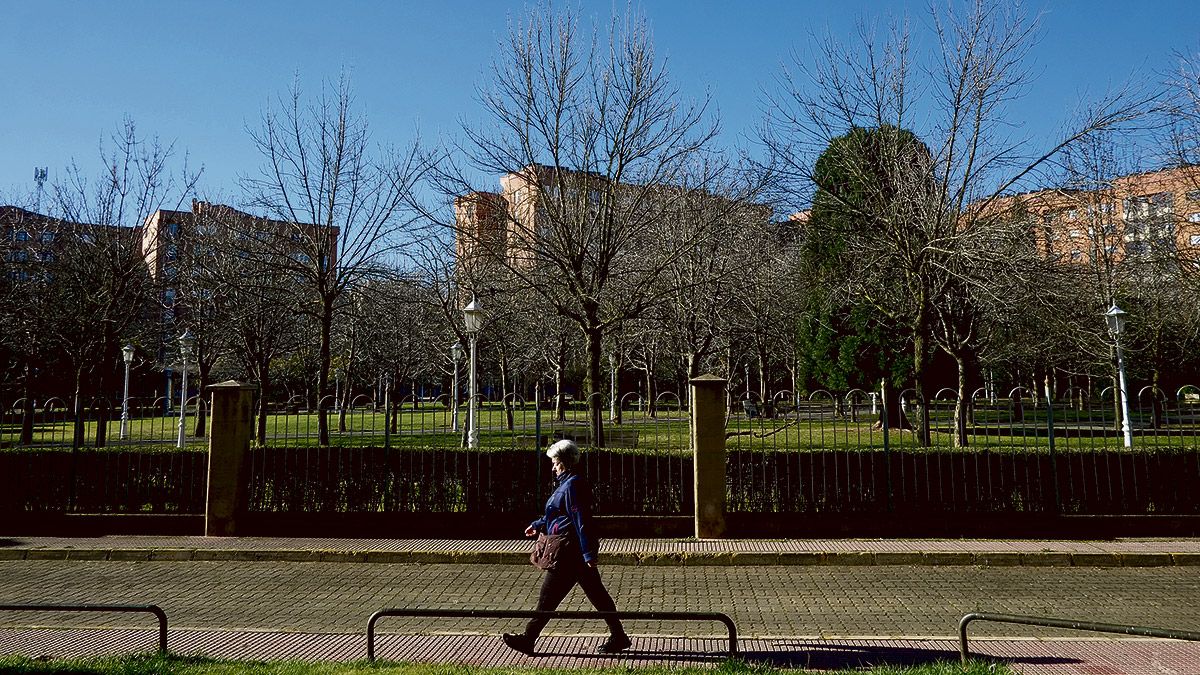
<point x="754" y="409"/>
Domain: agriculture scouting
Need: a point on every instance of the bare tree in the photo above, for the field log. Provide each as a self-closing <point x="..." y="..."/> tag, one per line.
<point x="340" y="204"/>
<point x="101" y="283"/>
<point x="599" y="149"/>
<point x="919" y="203"/>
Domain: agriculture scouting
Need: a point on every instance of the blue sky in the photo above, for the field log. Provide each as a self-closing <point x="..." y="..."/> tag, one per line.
<point x="197" y="73"/>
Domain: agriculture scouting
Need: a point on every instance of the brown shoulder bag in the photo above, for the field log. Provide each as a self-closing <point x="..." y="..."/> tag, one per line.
<point x="549" y="550"/>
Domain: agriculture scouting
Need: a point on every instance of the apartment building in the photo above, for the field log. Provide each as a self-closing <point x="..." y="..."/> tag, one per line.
<point x="540" y="205"/>
<point x="1150" y="215"/>
<point x="31" y="242"/>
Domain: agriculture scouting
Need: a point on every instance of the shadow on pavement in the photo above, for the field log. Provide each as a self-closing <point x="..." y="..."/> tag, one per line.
<point x="681" y="656"/>
<point x="831" y="655"/>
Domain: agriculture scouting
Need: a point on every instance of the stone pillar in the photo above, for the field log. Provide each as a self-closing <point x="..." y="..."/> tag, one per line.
<point x="228" y="452"/>
<point x="708" y="448"/>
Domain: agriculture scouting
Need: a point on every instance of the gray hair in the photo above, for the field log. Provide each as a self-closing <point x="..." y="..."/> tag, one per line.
<point x="565" y="451"/>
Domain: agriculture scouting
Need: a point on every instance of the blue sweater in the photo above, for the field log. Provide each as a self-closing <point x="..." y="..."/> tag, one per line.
<point x="570" y="506"/>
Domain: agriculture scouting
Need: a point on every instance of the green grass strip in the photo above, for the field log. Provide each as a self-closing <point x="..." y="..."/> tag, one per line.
<point x="178" y="665"/>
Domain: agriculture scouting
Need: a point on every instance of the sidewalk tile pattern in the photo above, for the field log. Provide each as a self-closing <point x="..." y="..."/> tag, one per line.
<point x="1029" y="657"/>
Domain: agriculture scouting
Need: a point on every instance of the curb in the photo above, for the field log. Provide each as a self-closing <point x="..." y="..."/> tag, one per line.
<point x="625" y="558"/>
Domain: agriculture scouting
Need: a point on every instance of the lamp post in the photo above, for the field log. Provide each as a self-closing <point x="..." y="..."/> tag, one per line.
<point x="472" y="321"/>
<point x="185" y="351"/>
<point x="127" y="354"/>
<point x="456" y="354"/>
<point x="1116" y="325"/>
<point x="747" y="381"/>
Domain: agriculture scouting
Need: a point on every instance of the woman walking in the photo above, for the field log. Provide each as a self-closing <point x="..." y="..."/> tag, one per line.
<point x="569" y="512"/>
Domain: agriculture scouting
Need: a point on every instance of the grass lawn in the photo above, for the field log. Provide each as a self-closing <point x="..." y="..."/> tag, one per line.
<point x="431" y="426"/>
<point x="171" y="665"/>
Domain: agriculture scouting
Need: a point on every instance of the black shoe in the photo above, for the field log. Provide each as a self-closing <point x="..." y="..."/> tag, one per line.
<point x="519" y="642"/>
<point x="614" y="644"/>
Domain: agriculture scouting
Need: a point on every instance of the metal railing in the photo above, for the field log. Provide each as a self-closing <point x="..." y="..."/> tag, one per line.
<point x="1069" y="624"/>
<point x="531" y="614"/>
<point x="147" y="609"/>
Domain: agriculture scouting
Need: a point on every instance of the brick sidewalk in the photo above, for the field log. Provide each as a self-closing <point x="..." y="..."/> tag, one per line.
<point x="1029" y="657"/>
<point x="996" y="552"/>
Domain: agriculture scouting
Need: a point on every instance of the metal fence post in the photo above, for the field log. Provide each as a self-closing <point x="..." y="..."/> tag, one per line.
<point x="228" y="452"/>
<point x="708" y="448"/>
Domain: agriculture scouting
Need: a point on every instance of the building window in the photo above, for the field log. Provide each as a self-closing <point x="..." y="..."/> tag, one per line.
<point x="1076" y="255"/>
<point x="47" y="237"/>
<point x="1075" y="234"/>
<point x="1193" y="196"/>
<point x="1194" y="217"/>
<point x="18" y="256"/>
<point x="1195" y="239"/>
<point x="172" y="229"/>
<point x="22" y="235"/>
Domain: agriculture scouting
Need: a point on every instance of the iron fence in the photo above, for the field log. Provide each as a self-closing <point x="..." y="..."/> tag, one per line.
<point x="822" y="453"/>
<point x="642" y="466"/>
<point x="835" y="453"/>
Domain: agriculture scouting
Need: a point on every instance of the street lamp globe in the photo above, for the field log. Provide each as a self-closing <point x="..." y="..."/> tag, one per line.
<point x="127" y="354"/>
<point x="1116" y="320"/>
<point x="456" y="351"/>
<point x="473" y="316"/>
<point x="186" y="342"/>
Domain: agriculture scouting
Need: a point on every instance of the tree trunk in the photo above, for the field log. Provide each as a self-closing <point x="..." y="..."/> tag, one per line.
<point x="77" y="435"/>
<point x="921" y="421"/>
<point x="344" y="402"/>
<point x="961" y="405"/>
<point x="651" y="402"/>
<point x="27" y="412"/>
<point x="263" y="383"/>
<point x="323" y="368"/>
<point x="203" y="372"/>
<point x="560" y="401"/>
<point x="593" y="387"/>
<point x="1156" y="408"/>
<point x="890" y="407"/>
<point x="505" y="401"/>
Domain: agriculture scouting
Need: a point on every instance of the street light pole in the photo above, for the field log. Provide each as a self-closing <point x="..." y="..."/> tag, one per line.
<point x="747" y="381"/>
<point x="127" y="354"/>
<point x="1116" y="325"/>
<point x="185" y="350"/>
<point x="473" y="320"/>
<point x="456" y="353"/>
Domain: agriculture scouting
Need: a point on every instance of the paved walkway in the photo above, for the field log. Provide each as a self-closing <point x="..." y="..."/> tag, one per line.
<point x="1029" y="657"/>
<point x="1108" y="553"/>
<point x="816" y="615"/>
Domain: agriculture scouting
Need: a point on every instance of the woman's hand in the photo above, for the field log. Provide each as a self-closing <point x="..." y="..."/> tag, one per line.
<point x="530" y="532"/>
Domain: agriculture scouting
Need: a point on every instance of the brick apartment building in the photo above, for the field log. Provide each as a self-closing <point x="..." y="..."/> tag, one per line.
<point x="512" y="224"/>
<point x="509" y="223"/>
<point x="32" y="241"/>
<point x="1155" y="214"/>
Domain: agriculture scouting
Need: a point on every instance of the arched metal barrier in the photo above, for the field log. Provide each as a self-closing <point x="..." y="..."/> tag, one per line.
<point x="148" y="609"/>
<point x="526" y="614"/>
<point x="1069" y="624"/>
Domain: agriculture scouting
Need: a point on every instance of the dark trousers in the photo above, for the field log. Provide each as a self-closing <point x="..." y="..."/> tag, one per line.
<point x="558" y="582"/>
